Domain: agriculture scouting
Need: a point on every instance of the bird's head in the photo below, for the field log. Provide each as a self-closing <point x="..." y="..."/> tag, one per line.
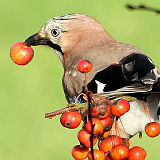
<point x="70" y="34"/>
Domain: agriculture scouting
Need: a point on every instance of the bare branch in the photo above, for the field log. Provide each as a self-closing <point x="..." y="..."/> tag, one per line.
<point x="83" y="107"/>
<point x="143" y="7"/>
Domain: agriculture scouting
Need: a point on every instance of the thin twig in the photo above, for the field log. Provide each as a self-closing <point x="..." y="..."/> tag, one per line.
<point x="89" y="97"/>
<point x="90" y="118"/>
<point x="71" y="107"/>
<point x="143" y="7"/>
<point x="55" y="113"/>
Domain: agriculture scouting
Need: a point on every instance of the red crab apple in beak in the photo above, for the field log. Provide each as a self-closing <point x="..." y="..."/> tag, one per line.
<point x="21" y="53"/>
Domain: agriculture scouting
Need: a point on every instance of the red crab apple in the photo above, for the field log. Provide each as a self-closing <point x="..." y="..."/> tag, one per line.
<point x="107" y="123"/>
<point x="106" y="134"/>
<point x="98" y="155"/>
<point x="126" y="142"/>
<point x="152" y="129"/>
<point x="80" y="152"/>
<point x="21" y="53"/>
<point x="71" y="119"/>
<point x="107" y="144"/>
<point x="84" y="138"/>
<point x="120" y="107"/>
<point x="137" y="153"/>
<point x="108" y="156"/>
<point x="98" y="126"/>
<point x="84" y="66"/>
<point x="119" y="152"/>
<point x="101" y="111"/>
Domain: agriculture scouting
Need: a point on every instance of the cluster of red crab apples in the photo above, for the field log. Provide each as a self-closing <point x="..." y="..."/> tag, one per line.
<point x="99" y="128"/>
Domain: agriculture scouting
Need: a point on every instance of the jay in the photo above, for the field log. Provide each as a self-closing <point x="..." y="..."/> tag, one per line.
<point x="119" y="69"/>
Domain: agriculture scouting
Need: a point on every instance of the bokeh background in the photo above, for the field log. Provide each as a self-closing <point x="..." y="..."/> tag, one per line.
<point x="27" y="92"/>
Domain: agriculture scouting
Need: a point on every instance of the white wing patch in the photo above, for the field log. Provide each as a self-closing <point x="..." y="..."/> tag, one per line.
<point x="100" y="86"/>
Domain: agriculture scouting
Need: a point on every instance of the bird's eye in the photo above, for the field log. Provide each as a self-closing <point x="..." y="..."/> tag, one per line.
<point x="55" y="32"/>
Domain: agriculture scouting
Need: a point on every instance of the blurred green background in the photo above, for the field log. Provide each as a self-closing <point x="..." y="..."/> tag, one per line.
<point x="27" y="92"/>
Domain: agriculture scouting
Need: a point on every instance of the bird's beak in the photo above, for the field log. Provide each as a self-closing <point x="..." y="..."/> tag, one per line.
<point x="35" y="40"/>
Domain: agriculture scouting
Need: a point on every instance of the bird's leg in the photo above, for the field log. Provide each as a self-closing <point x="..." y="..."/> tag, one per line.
<point x="79" y="96"/>
<point x="85" y="97"/>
